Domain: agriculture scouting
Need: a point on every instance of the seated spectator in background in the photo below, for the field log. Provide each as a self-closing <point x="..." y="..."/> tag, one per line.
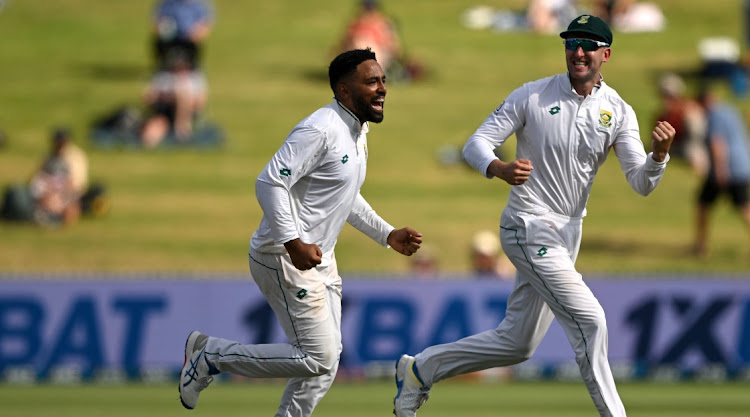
<point x="75" y="159"/>
<point x="424" y="264"/>
<point x="487" y="258"/>
<point x="373" y="29"/>
<point x="175" y="98"/>
<point x="608" y="9"/>
<point x="92" y="198"/>
<point x="59" y="192"/>
<point x="181" y="25"/>
<point x="688" y="120"/>
<point x="630" y="16"/>
<point x="550" y="16"/>
<point x="56" y="187"/>
<point x="729" y="171"/>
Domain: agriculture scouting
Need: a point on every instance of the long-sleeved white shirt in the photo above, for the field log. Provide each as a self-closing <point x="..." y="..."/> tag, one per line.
<point x="311" y="186"/>
<point x="567" y="138"/>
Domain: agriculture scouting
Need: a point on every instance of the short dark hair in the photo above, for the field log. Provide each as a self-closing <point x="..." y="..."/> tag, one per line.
<point x="346" y="63"/>
<point x="60" y="134"/>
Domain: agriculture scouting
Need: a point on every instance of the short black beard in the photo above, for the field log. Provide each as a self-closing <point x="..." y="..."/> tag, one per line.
<point x="365" y="112"/>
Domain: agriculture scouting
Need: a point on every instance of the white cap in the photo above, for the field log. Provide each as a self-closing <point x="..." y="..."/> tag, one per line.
<point x="672" y="84"/>
<point x="486" y="242"/>
<point x="719" y="48"/>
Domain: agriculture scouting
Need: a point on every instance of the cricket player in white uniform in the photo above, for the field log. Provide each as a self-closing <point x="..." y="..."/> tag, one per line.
<point x="308" y="190"/>
<point x="565" y="126"/>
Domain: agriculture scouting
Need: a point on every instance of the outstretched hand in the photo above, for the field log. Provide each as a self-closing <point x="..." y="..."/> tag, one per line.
<point x="304" y="255"/>
<point x="405" y="241"/>
<point x="514" y="173"/>
<point x="661" y="140"/>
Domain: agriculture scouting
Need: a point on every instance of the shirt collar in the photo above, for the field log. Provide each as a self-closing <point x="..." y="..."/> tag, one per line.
<point x="350" y="119"/>
<point x="569" y="86"/>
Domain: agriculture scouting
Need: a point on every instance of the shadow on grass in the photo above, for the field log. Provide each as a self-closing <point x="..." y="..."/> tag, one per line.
<point x="722" y="256"/>
<point x="106" y="71"/>
<point x="315" y="75"/>
<point x="598" y="245"/>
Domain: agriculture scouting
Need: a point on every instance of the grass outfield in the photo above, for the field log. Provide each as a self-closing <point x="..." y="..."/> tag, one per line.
<point x="449" y="399"/>
<point x="69" y="61"/>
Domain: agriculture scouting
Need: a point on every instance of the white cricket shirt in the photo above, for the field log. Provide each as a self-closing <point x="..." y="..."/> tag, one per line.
<point x="310" y="188"/>
<point x="567" y="138"/>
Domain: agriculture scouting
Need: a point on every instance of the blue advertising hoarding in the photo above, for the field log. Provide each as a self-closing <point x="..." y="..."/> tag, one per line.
<point x="135" y="324"/>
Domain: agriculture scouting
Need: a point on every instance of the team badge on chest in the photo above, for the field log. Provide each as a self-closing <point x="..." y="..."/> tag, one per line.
<point x="605" y="118"/>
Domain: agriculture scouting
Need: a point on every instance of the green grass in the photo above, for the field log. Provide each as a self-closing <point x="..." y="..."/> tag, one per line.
<point x="69" y="61"/>
<point x="449" y="399"/>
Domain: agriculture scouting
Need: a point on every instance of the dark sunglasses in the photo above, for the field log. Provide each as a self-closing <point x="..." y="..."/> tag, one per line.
<point x="586" y="44"/>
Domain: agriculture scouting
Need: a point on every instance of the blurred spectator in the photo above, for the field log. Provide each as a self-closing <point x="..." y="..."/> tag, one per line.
<point x="550" y="16"/>
<point x="487" y="258"/>
<point x="175" y="97"/>
<point x="630" y="16"/>
<point x="74" y="158"/>
<point x="608" y="9"/>
<point x="688" y="120"/>
<point x="92" y="199"/>
<point x="721" y="60"/>
<point x="371" y="28"/>
<point x="181" y="25"/>
<point x="59" y="192"/>
<point x="55" y="187"/>
<point x="729" y="171"/>
<point x="424" y="264"/>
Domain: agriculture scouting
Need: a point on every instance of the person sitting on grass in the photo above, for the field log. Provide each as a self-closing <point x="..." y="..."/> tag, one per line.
<point x="56" y="198"/>
<point x="175" y="96"/>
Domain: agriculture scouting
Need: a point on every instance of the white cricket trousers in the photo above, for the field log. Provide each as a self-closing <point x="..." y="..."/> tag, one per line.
<point x="307" y="305"/>
<point x="544" y="249"/>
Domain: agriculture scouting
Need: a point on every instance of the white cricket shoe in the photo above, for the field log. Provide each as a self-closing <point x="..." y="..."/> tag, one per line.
<point x="194" y="377"/>
<point x="411" y="390"/>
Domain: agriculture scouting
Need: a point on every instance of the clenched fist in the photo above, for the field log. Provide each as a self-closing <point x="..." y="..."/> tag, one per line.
<point x="514" y="173"/>
<point x="405" y="241"/>
<point x="304" y="255"/>
<point x="661" y="140"/>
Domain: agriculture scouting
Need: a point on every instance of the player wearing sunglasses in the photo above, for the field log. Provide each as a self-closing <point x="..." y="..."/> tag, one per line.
<point x="587" y="47"/>
<point x="565" y="127"/>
